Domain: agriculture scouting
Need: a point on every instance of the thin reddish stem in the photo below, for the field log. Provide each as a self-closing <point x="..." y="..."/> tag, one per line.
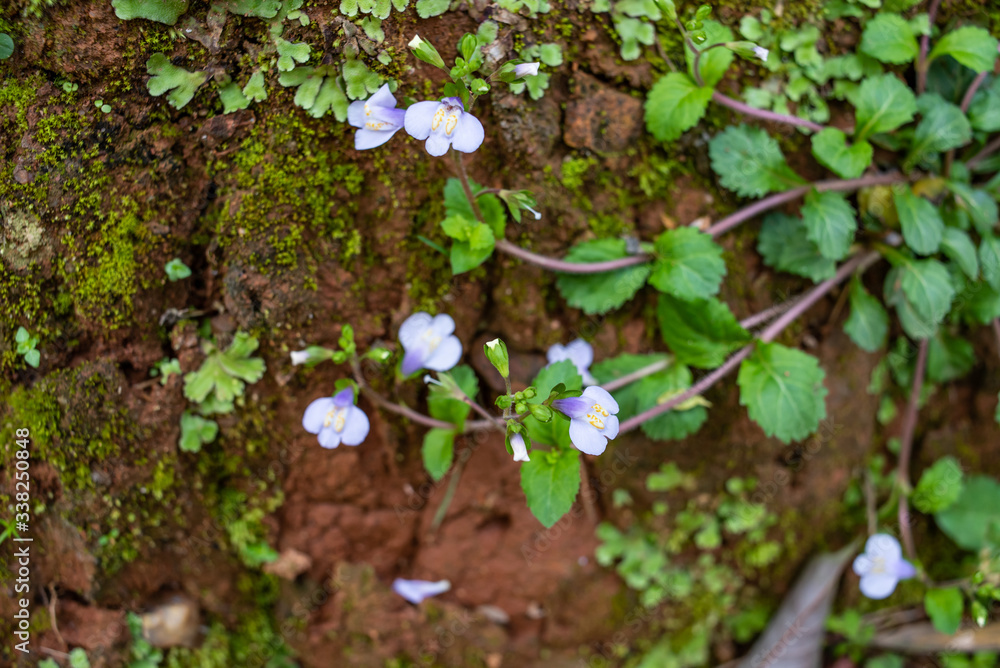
<point x="906" y="450"/>
<point x="763" y="114"/>
<point x="925" y="43"/>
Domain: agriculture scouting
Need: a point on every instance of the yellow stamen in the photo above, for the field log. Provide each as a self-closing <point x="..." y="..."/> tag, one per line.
<point x="451" y="124"/>
<point x="375" y="125"/>
<point x="368" y="110"/>
<point x="596" y="421"/>
<point x="438" y="117"/>
<point x="337" y="417"/>
<point x="600" y="409"/>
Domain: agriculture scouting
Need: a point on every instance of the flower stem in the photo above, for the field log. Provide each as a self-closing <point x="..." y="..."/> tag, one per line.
<point x="906" y="449"/>
<point x="398" y="409"/>
<point x="857" y="263"/>
<point x="949" y="157"/>
<point x="925" y="42"/>
<point x="449" y="494"/>
<point x="639" y="374"/>
<point x="464" y="178"/>
<point x="764" y="114"/>
<point x="552" y="264"/>
<point x="984" y="153"/>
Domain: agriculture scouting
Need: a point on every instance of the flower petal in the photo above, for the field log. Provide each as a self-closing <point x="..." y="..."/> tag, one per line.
<point x="519" y="448"/>
<point x="437" y="144"/>
<point x="356" y="114"/>
<point x="413" y="328"/>
<point x="419" y="117"/>
<point x="415" y="591"/>
<point x="382" y="98"/>
<point x="446" y="355"/>
<point x="312" y="419"/>
<point x="413" y="360"/>
<point x="468" y="135"/>
<point x="580" y="353"/>
<point x="611" y="426"/>
<point x="394" y="117"/>
<point x="863" y="564"/>
<point x="356" y="427"/>
<point x="885" y="546"/>
<point x="586" y="438"/>
<point x="878" y="586"/>
<point x="365" y="139"/>
<point x="905" y="570"/>
<point x="572" y="407"/>
<point x="442" y="325"/>
<point x="345" y="397"/>
<point x="601" y="396"/>
<point x="557" y="353"/>
<point x="329" y="438"/>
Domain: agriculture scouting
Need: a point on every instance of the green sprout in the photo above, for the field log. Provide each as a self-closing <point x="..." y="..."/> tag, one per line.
<point x="176" y="270"/>
<point x="26" y="347"/>
<point x="168" y="77"/>
<point x="196" y="431"/>
<point x="223" y="374"/>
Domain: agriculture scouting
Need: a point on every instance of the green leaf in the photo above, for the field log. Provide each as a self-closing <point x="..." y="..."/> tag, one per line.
<point x="972" y="46"/>
<point x="196" y="431"/>
<point x="957" y="246"/>
<point x="6" y="46"/>
<point x="360" y="81"/>
<point x="457" y="204"/>
<point x="442" y="406"/>
<point x="830" y="222"/>
<point x="22" y="335"/>
<point x="984" y="113"/>
<point x="550" y="482"/>
<point x="225" y="373"/>
<point x="168" y="77"/>
<point x="675" y="104"/>
<point x="939" y="486"/>
<point x="831" y="150"/>
<point x="232" y="98"/>
<point x="882" y="104"/>
<point x="603" y="292"/>
<point x="974" y="514"/>
<point x="785" y="246"/>
<point x="699" y="333"/>
<point x="689" y="264"/>
<point x="948" y="357"/>
<point x="428" y="8"/>
<point x="944" y="607"/>
<point x="977" y="203"/>
<point x="713" y="63"/>
<point x="263" y="9"/>
<point x="928" y="287"/>
<point x="176" y="270"/>
<point x="438" y="451"/>
<point x="989" y="260"/>
<point x="749" y="162"/>
<point x="657" y="388"/>
<point x="943" y="126"/>
<point x="163" y="11"/>
<point x="551" y="54"/>
<point x="32" y="358"/>
<point x="783" y="391"/>
<point x="553" y="374"/>
<point x="889" y="38"/>
<point x="868" y="324"/>
<point x="922" y="225"/>
<point x="915" y="325"/>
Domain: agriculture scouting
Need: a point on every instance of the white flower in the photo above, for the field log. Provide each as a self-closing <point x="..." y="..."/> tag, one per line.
<point x="592" y="417"/>
<point x="300" y="357"/>
<point x="882" y="566"/>
<point x="415" y="42"/>
<point x="415" y="591"/>
<point x="336" y="420"/>
<point x="526" y="70"/>
<point x="519" y="448"/>
<point x="444" y="124"/>
<point x="580" y="353"/>
<point x="761" y="53"/>
<point x="429" y="343"/>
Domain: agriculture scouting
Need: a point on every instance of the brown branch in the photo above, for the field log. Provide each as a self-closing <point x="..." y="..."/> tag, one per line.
<point x="906" y="450"/>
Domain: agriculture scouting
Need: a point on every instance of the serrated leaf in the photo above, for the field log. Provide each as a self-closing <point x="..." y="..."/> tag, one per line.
<point x="699" y="333"/>
<point x="163" y="11"/>
<point x="974" y="514"/>
<point x="948" y="357"/>
<point x="659" y="387"/>
<point x="889" y="38"/>
<point x="255" y="89"/>
<point x="989" y="260"/>
<point x="972" y="46"/>
<point x="940" y="486"/>
<point x="550" y="482"/>
<point x="943" y="126"/>
<point x="689" y="264"/>
<point x="749" y="162"/>
<point x="428" y="8"/>
<point x="675" y="104"/>
<point x="958" y="247"/>
<point x="868" y="324"/>
<point x="783" y="391"/>
<point x="232" y="98"/>
<point x="927" y="286"/>
<point x="882" y="104"/>
<point x="196" y="431"/>
<point x="830" y="222"/>
<point x="438" y="451"/>
<point x="944" y="607"/>
<point x="551" y="54"/>
<point x="714" y="63"/>
<point x="225" y="373"/>
<point x="603" y="292"/>
<point x="785" y="246"/>
<point x="915" y="325"/>
<point x="922" y="225"/>
<point x="168" y="77"/>
<point x="831" y="150"/>
<point x="978" y="204"/>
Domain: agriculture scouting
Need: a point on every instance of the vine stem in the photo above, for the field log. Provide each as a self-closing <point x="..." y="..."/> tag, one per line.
<point x="858" y="263"/>
<point x="949" y="157"/>
<point x="906" y="450"/>
<point x="638" y="374"/>
<point x="925" y="42"/>
<point x="764" y="114"/>
<point x="449" y="493"/>
<point x="398" y="409"/>
<point x="985" y="152"/>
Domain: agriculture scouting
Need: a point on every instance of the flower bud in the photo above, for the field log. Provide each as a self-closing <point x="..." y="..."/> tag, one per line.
<point x="526" y="70"/>
<point x="496" y="353"/>
<point x="426" y="52"/>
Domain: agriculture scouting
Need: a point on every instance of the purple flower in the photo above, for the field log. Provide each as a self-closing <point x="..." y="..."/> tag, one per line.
<point x="429" y="343"/>
<point x="525" y="70"/>
<point x="444" y="124"/>
<point x="378" y="118"/>
<point x="336" y="420"/>
<point x="580" y="353"/>
<point x="519" y="448"/>
<point x="415" y="591"/>
<point x="592" y="419"/>
<point x="882" y="566"/>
